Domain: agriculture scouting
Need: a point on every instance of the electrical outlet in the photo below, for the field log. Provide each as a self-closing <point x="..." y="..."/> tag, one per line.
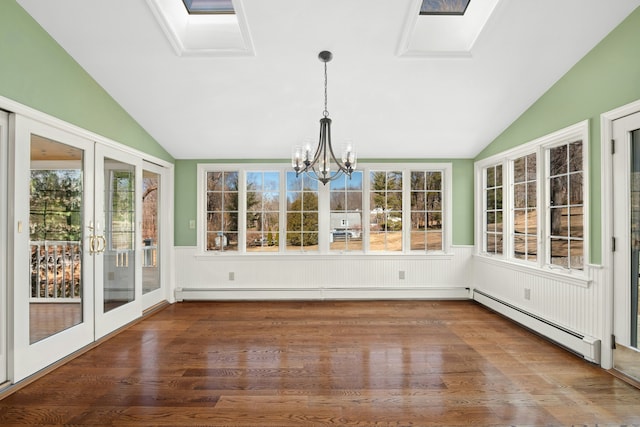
<point x="192" y="224"/>
<point x="527" y="293"/>
<point x="401" y="275"/>
<point x="232" y="275"/>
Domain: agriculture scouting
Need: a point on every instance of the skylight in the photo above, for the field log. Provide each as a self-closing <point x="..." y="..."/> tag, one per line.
<point x="444" y="7"/>
<point x="199" y="7"/>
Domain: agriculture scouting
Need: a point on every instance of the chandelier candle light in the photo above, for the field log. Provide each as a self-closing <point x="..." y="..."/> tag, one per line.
<point x="318" y="165"/>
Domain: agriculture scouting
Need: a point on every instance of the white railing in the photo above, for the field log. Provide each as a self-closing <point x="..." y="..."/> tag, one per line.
<point x="149" y="254"/>
<point x="56" y="271"/>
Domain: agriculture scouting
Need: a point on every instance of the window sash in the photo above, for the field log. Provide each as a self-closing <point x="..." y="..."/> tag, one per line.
<point x="524" y="207"/>
<point x="493" y="210"/>
<point x="565" y="172"/>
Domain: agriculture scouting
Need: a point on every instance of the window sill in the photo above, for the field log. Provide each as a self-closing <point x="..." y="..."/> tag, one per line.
<point x="581" y="279"/>
<point x="324" y="256"/>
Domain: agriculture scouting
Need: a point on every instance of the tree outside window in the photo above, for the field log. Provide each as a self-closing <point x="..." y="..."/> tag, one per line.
<point x="385" y="230"/>
<point x="302" y="213"/>
<point x="426" y="211"/>
<point x="222" y="211"/>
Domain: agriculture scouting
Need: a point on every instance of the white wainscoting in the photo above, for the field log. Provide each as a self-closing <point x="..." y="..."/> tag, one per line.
<point x="263" y="276"/>
<point x="575" y="305"/>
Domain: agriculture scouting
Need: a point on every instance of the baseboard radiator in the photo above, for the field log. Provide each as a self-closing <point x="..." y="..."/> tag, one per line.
<point x="373" y="293"/>
<point x="585" y="346"/>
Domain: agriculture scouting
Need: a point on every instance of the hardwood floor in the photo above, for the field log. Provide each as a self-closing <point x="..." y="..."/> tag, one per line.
<point x="384" y="363"/>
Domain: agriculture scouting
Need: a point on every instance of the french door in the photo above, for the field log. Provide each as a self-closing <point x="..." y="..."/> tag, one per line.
<point x="154" y="181"/>
<point x="626" y="258"/>
<point x="74" y="234"/>
<point x="118" y="279"/>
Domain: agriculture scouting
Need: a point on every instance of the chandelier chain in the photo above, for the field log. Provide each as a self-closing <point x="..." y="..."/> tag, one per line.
<point x="325" y="112"/>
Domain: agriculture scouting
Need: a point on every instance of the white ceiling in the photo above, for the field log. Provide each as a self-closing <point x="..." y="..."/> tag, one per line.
<point x="259" y="106"/>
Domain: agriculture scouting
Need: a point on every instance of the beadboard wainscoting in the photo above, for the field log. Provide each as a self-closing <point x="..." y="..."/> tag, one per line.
<point x="567" y="309"/>
<point x="263" y="277"/>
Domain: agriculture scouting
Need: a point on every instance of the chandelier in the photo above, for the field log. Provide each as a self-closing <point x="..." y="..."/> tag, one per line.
<point x="317" y="165"/>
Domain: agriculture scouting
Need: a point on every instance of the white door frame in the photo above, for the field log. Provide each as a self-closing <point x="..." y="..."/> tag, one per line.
<point x="4" y="247"/>
<point x="606" y="133"/>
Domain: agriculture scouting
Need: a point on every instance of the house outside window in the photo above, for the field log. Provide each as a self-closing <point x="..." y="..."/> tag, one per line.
<point x="346" y="213"/>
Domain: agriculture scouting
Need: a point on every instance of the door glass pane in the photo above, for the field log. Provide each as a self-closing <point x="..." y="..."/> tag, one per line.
<point x="55" y="236"/>
<point x="150" y="240"/>
<point x="119" y="234"/>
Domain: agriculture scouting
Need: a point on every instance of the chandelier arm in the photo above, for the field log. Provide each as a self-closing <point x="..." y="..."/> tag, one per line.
<point x="319" y="149"/>
<point x="341" y="166"/>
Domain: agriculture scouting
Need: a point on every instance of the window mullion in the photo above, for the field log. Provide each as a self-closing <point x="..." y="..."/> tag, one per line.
<point x="543" y="205"/>
<point x="547" y="209"/>
<point x="282" y="221"/>
<point x="242" y="211"/>
<point x="366" y="210"/>
<point x="323" y="218"/>
<point x="406" y="211"/>
<point x="507" y="206"/>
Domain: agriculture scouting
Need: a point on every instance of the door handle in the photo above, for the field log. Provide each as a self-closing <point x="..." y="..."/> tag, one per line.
<point x="101" y="245"/>
<point x="92" y="240"/>
<point x="97" y="244"/>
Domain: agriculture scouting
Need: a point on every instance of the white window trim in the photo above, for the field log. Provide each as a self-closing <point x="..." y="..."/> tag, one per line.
<point x="578" y="131"/>
<point x="323" y="200"/>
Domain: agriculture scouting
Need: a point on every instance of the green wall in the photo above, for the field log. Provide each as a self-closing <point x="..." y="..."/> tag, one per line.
<point x="606" y="78"/>
<point x="185" y="198"/>
<point x="37" y="72"/>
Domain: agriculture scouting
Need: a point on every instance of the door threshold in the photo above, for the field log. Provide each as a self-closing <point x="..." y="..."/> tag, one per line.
<point x="624" y="377"/>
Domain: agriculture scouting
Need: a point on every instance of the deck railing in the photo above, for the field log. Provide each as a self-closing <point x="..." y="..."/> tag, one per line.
<point x="56" y="271"/>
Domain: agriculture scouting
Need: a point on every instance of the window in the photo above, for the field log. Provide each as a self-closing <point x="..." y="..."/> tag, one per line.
<point x="120" y="206"/>
<point x="493" y="226"/>
<point x="566" y="205"/>
<point x="426" y="211"/>
<point x="444" y="7"/>
<point x="208" y="6"/>
<point x="302" y="213"/>
<point x="222" y="211"/>
<point x="546" y="216"/>
<point x="385" y="229"/>
<point x="345" y="218"/>
<point x="263" y="211"/>
<point x="525" y="213"/>
<point x="266" y="209"/>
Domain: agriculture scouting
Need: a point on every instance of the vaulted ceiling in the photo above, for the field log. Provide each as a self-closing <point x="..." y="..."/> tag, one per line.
<point x="399" y="85"/>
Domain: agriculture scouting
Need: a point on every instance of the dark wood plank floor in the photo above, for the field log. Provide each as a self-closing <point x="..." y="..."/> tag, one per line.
<point x="401" y="363"/>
